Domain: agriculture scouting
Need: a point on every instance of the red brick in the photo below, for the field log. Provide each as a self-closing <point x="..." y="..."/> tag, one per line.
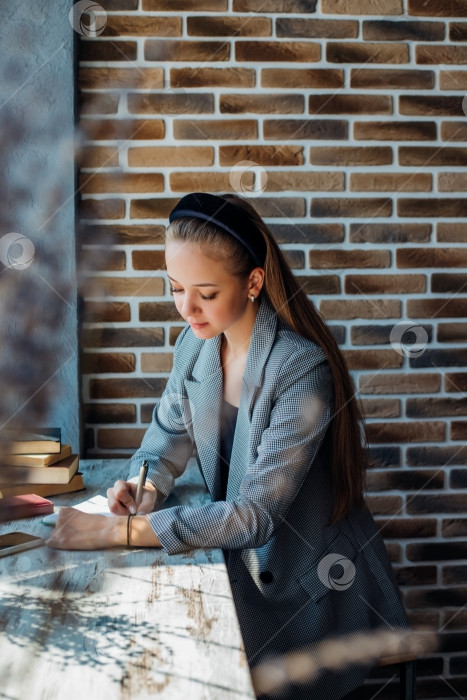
<point x="452" y="332"/>
<point x="424" y="431"/>
<point x="300" y="77"/>
<point x="199" y="180"/>
<point x="452" y="182"/>
<point x="205" y="129"/>
<point x="119" y="437"/>
<point x="283" y="51"/>
<point x="349" y="308"/>
<point x="98" y="103"/>
<point x="390" y="182"/>
<point x="126" y="388"/>
<point x="431" y="105"/>
<point x="212" y="77"/>
<point x="382" y="30"/>
<point x="395" y="131"/>
<point x="390" y="233"/>
<point x="456" y="381"/>
<point x="148" y="259"/>
<point x="319" y="284"/>
<point x="175" y="50"/>
<point x="102" y="362"/>
<point x="263" y="155"/>
<point x="305" y="129"/>
<point x="458" y="430"/>
<point x="350" y="155"/>
<point x="102" y="209"/>
<point x="123" y="129"/>
<point x="458" y="31"/>
<point x="362" y="7"/>
<point x="399" y="383"/>
<point x="452" y="232"/>
<point x="337" y="52"/>
<point x="185" y="5"/>
<point x="114" y="260"/>
<point x="437" y="8"/>
<point x="156" y="361"/>
<point x="446" y="283"/>
<point x="126" y="286"/>
<point x="439" y="308"/>
<point x="151" y="208"/>
<point x="109" y="413"/>
<point x="316" y="28"/>
<point x="372" y="359"/>
<point x="440" y="54"/>
<point x="368" y="207"/>
<point x="431" y="257"/>
<point x="282" y="6"/>
<point x="159" y="312"/>
<point x="99" y="157"/>
<point x="385" y="284"/>
<point x="432" y="155"/>
<point x="122" y="337"/>
<point x="335" y="258"/>
<point x="101" y="312"/>
<point x="136" y="234"/>
<point x="163" y="156"/>
<point x="349" y="104"/>
<point x="432" y="207"/>
<point x="315" y="181"/>
<point x="117" y="25"/>
<point x="453" y="79"/>
<point x="435" y="407"/>
<point x="453" y="131"/>
<point x="108" y="78"/>
<point x="107" y="50"/>
<point x="121" y="182"/>
<point x="384" y="505"/>
<point x="387" y="79"/>
<point x="167" y="102"/>
<point x="262" y="104"/>
<point x="381" y="408"/>
<point x="228" y="26"/>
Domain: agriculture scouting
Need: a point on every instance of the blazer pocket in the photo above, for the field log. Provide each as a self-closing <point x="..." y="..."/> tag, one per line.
<point x="334" y="569"/>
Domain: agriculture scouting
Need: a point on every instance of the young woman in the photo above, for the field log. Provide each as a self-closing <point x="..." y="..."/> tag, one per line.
<point x="260" y="392"/>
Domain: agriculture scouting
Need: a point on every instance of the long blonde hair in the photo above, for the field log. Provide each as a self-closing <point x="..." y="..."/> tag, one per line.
<point x="345" y="441"/>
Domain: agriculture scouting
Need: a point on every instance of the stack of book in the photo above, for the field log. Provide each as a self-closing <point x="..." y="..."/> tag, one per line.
<point x="37" y="463"/>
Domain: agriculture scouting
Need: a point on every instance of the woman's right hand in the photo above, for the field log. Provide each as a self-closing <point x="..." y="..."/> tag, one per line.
<point x="122" y="496"/>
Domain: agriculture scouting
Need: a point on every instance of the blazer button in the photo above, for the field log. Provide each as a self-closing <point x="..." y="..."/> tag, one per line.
<point x="266" y="577"/>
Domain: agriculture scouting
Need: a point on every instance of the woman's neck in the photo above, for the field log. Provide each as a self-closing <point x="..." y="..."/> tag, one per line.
<point x="236" y="339"/>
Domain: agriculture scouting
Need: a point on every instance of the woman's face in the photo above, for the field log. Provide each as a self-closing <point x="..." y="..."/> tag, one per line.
<point x="208" y="297"/>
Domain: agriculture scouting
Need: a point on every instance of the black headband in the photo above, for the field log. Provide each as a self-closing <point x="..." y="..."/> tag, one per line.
<point x="227" y="216"/>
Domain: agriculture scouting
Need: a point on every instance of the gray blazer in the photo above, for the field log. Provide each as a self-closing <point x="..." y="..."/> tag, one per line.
<point x="295" y="579"/>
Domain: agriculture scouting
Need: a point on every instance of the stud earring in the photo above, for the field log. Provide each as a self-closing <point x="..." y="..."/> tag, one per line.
<point x="252" y="297"/>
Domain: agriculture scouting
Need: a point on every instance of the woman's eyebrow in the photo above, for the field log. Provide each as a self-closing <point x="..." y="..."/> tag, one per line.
<point x="201" y="284"/>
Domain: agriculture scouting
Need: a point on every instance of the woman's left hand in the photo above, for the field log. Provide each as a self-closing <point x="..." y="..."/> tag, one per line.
<point x="77" y="530"/>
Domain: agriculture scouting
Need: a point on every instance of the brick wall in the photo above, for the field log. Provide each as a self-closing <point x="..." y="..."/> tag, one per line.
<point x="352" y="120"/>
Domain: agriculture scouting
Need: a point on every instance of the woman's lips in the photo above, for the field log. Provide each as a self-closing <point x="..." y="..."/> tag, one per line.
<point x="198" y="325"/>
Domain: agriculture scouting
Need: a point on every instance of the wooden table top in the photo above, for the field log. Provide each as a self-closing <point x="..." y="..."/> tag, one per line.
<point x="119" y="623"/>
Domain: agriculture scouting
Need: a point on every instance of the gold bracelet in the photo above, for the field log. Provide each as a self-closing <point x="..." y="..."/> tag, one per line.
<point x="128" y="545"/>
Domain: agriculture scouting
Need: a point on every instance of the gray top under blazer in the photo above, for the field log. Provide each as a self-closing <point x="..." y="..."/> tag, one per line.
<point x="287" y="591"/>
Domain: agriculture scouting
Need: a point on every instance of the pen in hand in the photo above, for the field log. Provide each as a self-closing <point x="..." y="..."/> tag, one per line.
<point x="143" y="472"/>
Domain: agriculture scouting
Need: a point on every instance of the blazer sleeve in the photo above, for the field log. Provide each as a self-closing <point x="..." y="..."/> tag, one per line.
<point x="166" y="445"/>
<point x="299" y="419"/>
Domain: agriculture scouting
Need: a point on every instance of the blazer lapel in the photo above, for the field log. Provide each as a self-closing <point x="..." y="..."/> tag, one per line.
<point x="262" y="339"/>
<point x="205" y="393"/>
